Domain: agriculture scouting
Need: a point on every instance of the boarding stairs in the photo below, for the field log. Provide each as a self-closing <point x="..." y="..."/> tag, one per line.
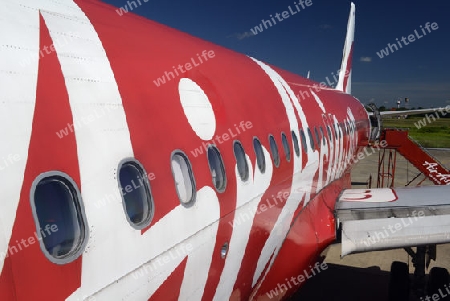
<point x="397" y="140"/>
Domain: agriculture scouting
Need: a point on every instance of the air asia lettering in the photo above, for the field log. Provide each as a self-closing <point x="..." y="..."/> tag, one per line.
<point x="94" y="73"/>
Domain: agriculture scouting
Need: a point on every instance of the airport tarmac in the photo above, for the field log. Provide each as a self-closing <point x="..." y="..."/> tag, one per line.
<point x="365" y="277"/>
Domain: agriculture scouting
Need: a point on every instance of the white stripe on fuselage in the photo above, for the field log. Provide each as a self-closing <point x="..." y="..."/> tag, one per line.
<point x="249" y="194"/>
<point x="301" y="181"/>
<point x="17" y="101"/>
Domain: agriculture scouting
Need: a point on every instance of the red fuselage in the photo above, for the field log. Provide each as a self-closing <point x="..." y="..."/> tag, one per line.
<point x="292" y="220"/>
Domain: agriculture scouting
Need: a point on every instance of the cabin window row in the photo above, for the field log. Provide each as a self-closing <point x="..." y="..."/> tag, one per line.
<point x="57" y="204"/>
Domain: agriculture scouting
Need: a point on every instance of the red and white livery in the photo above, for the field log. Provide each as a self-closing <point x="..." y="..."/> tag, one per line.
<point x="215" y="208"/>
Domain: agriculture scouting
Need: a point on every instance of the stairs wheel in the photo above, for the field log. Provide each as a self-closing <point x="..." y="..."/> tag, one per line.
<point x="399" y="282"/>
<point x="438" y="283"/>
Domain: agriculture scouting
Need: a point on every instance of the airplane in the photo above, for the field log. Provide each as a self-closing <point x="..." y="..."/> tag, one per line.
<point x="213" y="183"/>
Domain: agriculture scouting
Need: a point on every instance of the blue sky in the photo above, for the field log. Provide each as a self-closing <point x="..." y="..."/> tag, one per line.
<point x="313" y="40"/>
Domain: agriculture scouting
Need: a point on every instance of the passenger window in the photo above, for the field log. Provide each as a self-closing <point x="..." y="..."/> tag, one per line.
<point x="260" y="160"/>
<point x="59" y="215"/>
<point x="296" y="146"/>
<point x="135" y="189"/>
<point x="303" y="138"/>
<point x="330" y="136"/>
<point x="311" y="140"/>
<point x="241" y="160"/>
<point x="287" y="149"/>
<point x="274" y="150"/>
<point x="183" y="177"/>
<point x="217" y="168"/>
<point x="322" y="134"/>
<point x="317" y="137"/>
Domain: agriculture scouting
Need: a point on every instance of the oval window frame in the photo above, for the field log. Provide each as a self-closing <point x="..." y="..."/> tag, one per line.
<point x="303" y="139"/>
<point x="191" y="178"/>
<point x="335" y="131"/>
<point x="222" y="188"/>
<point x="318" y="140"/>
<point x="286" y="148"/>
<point x="274" y="150"/>
<point x="151" y="206"/>
<point x="322" y="133"/>
<point x="330" y="135"/>
<point x="260" y="160"/>
<point x="296" y="144"/>
<point x="81" y="218"/>
<point x="311" y="139"/>
<point x="244" y="177"/>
